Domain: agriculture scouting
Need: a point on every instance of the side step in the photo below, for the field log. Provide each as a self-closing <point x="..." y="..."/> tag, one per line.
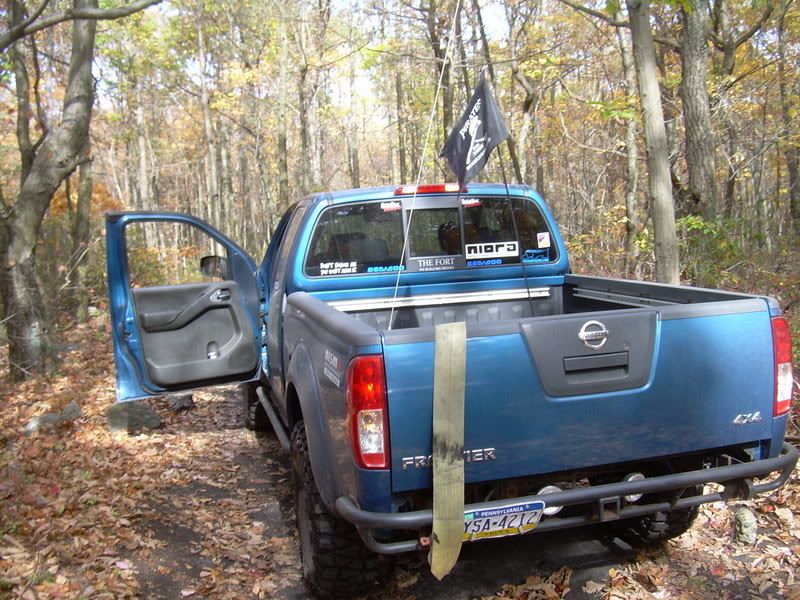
<point x="273" y="418"/>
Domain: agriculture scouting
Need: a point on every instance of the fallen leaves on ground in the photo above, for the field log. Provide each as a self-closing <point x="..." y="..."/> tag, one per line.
<point x="705" y="562"/>
<point x="202" y="508"/>
<point x="85" y="512"/>
<point x="536" y="587"/>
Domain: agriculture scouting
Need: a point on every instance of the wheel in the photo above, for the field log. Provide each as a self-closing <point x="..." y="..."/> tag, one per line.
<point x="336" y="563"/>
<point x="655" y="529"/>
<point x="255" y="417"/>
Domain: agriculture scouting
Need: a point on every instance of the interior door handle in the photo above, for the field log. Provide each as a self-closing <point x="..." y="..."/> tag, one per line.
<point x="221" y="295"/>
<point x="168" y="321"/>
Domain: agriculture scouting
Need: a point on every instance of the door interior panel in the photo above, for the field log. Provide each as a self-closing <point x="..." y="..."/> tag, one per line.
<point x="195" y="332"/>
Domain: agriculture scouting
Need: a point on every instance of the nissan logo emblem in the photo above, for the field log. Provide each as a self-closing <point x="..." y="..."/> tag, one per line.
<point x="593" y="334"/>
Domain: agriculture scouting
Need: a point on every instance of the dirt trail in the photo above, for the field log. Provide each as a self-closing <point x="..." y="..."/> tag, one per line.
<point x="230" y="528"/>
<point x="203" y="508"/>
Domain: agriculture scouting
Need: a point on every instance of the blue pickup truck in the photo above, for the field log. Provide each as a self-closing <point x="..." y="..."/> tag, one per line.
<point x="588" y="400"/>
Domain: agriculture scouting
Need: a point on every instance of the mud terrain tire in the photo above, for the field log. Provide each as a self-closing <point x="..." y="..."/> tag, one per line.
<point x="336" y="563"/>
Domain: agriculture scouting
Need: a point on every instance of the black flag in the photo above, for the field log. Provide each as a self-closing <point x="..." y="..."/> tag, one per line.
<point x="479" y="131"/>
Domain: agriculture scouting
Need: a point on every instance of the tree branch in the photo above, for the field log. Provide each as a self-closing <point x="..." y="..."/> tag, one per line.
<point x="718" y="42"/>
<point x="614" y="23"/>
<point x="756" y="26"/>
<point x="17" y="31"/>
<point x="755" y="69"/>
<point x="33" y="23"/>
<point x="594" y="13"/>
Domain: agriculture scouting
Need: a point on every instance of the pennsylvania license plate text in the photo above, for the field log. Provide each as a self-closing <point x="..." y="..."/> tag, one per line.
<point x="513" y="519"/>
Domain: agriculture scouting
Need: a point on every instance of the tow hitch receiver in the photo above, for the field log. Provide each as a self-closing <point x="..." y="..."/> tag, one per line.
<point x="608" y="509"/>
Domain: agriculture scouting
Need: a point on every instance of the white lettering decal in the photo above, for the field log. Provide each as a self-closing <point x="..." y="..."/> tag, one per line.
<point x="445" y="263"/>
<point x="331" y="375"/>
<point x="338" y="268"/>
<point x="492" y="250"/>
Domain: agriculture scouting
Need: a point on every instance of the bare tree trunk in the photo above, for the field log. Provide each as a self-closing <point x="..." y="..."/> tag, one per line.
<point x="304" y="147"/>
<point x="791" y="150"/>
<point x="112" y="161"/>
<point x="227" y="194"/>
<point x="80" y="241"/>
<point x="663" y="207"/>
<point x="512" y="151"/>
<point x="529" y="105"/>
<point x="27" y="152"/>
<point x="351" y="136"/>
<point x="401" y="137"/>
<point x="265" y="199"/>
<point x="30" y="343"/>
<point x="439" y="47"/>
<point x="283" y="164"/>
<point x="462" y="54"/>
<point x="317" y="142"/>
<point x="700" y="144"/>
<point x="727" y="38"/>
<point x="631" y="150"/>
<point x="208" y="128"/>
<point x="145" y="199"/>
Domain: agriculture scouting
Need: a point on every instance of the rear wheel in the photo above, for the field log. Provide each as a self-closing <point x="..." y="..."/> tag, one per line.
<point x="657" y="528"/>
<point x="255" y="417"/>
<point x="336" y="563"/>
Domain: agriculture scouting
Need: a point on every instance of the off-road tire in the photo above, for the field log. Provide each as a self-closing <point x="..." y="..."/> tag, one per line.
<point x="655" y="529"/>
<point x="336" y="563"/>
<point x="255" y="417"/>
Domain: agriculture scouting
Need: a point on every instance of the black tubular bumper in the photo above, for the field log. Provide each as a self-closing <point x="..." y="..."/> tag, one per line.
<point x="607" y="499"/>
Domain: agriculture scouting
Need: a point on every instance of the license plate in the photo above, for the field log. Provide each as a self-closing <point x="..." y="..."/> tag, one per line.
<point x="512" y="519"/>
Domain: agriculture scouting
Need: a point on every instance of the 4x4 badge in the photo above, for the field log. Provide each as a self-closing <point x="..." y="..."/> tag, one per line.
<point x="745" y="418"/>
<point x="593" y="334"/>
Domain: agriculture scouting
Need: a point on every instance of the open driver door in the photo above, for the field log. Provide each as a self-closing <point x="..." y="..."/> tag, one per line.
<point x="181" y="336"/>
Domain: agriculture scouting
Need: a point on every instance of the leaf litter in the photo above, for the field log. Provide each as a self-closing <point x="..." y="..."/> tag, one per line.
<point x="85" y="512"/>
<point x="182" y="511"/>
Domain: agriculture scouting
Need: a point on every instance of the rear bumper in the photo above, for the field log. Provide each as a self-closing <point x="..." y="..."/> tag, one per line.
<point x="606" y="500"/>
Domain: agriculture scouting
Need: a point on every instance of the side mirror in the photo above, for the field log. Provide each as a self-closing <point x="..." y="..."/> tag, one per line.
<point x="214" y="266"/>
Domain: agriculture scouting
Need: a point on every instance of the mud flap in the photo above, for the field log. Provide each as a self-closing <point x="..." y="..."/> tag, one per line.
<point x="448" y="447"/>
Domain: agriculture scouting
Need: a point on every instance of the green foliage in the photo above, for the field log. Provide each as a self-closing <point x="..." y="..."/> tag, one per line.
<point x="145" y="267"/>
<point x="56" y="264"/>
<point x="712" y="256"/>
<point x="612" y="7"/>
<point x="616" y="109"/>
<point x="708" y="250"/>
<point x="601" y="250"/>
<point x="686" y="5"/>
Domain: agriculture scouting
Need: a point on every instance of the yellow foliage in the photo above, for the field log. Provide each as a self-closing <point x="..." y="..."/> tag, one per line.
<point x="102" y="199"/>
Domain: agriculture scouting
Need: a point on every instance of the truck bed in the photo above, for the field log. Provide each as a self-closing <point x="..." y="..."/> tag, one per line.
<point x="676" y="369"/>
<point x="577" y="295"/>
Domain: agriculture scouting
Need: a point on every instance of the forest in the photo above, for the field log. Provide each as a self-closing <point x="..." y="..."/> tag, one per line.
<point x="664" y="136"/>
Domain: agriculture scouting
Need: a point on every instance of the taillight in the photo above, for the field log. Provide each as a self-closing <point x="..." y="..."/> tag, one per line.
<point x="427" y="188"/>
<point x="784" y="381"/>
<point x="368" y="420"/>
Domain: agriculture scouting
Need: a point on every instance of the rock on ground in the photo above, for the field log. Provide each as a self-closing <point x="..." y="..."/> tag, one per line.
<point x="132" y="416"/>
<point x="69" y="413"/>
<point x="745" y="525"/>
<point x="181" y="402"/>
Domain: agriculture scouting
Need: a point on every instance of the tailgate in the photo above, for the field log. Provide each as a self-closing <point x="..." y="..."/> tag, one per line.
<point x="537" y="394"/>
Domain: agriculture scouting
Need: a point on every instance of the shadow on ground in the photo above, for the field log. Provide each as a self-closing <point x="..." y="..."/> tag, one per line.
<point x="186" y="554"/>
<point x="484" y="568"/>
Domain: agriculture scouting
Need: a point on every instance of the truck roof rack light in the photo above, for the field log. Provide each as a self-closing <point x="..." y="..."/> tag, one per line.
<point x="428" y="188"/>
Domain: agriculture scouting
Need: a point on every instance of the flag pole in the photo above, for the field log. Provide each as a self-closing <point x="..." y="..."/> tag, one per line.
<point x="516" y="230"/>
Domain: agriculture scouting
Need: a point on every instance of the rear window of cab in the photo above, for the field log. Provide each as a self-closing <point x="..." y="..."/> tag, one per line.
<point x="365" y="238"/>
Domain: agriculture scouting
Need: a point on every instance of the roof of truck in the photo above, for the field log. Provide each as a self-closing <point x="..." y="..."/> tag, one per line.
<point x="390" y="192"/>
